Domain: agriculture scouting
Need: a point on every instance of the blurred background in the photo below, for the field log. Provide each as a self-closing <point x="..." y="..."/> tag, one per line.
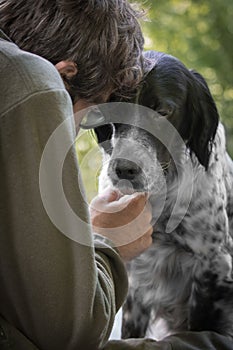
<point x="200" y="34"/>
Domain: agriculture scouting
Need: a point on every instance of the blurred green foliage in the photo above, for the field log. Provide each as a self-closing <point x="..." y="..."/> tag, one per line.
<point x="200" y="34"/>
<point x="90" y="161"/>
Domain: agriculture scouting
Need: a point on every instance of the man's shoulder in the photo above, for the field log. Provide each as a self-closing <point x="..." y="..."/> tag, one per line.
<point x="23" y="74"/>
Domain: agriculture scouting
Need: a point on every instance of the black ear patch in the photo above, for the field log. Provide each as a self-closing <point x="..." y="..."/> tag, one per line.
<point x="173" y="90"/>
<point x="104" y="135"/>
<point x="202" y="118"/>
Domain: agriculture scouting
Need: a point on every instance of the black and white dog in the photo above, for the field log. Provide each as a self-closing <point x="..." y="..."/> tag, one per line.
<point x="184" y="281"/>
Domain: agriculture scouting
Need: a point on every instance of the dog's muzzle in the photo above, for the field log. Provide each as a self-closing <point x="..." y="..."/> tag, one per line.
<point x="126" y="174"/>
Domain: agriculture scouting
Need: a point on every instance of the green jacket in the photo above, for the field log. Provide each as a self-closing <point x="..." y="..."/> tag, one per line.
<point x="57" y="289"/>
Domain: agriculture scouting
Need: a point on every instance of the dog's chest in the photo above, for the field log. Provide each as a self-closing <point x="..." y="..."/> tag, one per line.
<point x="200" y="220"/>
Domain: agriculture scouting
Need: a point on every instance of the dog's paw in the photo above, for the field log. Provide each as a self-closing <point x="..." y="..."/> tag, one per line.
<point x="135" y="319"/>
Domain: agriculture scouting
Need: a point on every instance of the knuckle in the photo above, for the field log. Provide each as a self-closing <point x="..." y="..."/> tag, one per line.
<point x="151" y="230"/>
<point x="139" y="200"/>
<point x="147" y="216"/>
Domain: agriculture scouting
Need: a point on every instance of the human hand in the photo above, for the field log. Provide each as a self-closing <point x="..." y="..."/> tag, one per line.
<point x="126" y="220"/>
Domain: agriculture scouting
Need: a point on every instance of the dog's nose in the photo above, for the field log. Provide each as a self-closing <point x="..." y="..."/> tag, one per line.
<point x="125" y="169"/>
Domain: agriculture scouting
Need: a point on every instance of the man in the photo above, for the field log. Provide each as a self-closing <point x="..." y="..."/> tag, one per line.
<point x="59" y="290"/>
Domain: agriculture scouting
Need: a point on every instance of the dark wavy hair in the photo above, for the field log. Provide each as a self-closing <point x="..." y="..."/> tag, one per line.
<point x="103" y="37"/>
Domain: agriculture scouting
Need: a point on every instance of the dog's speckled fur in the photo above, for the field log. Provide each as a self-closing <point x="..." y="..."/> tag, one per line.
<point x="184" y="280"/>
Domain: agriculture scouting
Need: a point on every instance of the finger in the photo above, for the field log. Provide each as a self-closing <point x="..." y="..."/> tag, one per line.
<point x="148" y="242"/>
<point x="122" y="201"/>
<point x="148" y="212"/>
<point x="108" y="196"/>
<point x="150" y="231"/>
<point x="138" y="202"/>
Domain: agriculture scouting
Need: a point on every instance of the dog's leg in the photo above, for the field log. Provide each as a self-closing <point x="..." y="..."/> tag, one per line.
<point x="135" y="318"/>
<point x="211" y="305"/>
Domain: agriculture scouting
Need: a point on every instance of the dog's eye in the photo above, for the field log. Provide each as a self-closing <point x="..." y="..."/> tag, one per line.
<point x="166" y="108"/>
<point x="163" y="112"/>
<point x="166" y="112"/>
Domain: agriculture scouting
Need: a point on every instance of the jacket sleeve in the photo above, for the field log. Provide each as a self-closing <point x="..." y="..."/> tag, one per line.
<point x="57" y="288"/>
<point x="180" y="341"/>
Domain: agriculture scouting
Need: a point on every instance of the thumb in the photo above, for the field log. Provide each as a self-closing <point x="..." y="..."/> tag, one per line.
<point x="110" y="195"/>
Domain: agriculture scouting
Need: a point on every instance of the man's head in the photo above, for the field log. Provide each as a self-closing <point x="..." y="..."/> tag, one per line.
<point x="101" y="37"/>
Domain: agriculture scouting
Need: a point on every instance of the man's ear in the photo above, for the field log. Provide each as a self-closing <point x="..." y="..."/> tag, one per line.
<point x="67" y="68"/>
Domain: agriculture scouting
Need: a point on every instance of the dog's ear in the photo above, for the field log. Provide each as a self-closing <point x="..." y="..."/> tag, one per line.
<point x="104" y="135"/>
<point x="202" y="118"/>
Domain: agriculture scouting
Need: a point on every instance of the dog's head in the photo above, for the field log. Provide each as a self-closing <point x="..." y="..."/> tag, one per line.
<point x="180" y="96"/>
